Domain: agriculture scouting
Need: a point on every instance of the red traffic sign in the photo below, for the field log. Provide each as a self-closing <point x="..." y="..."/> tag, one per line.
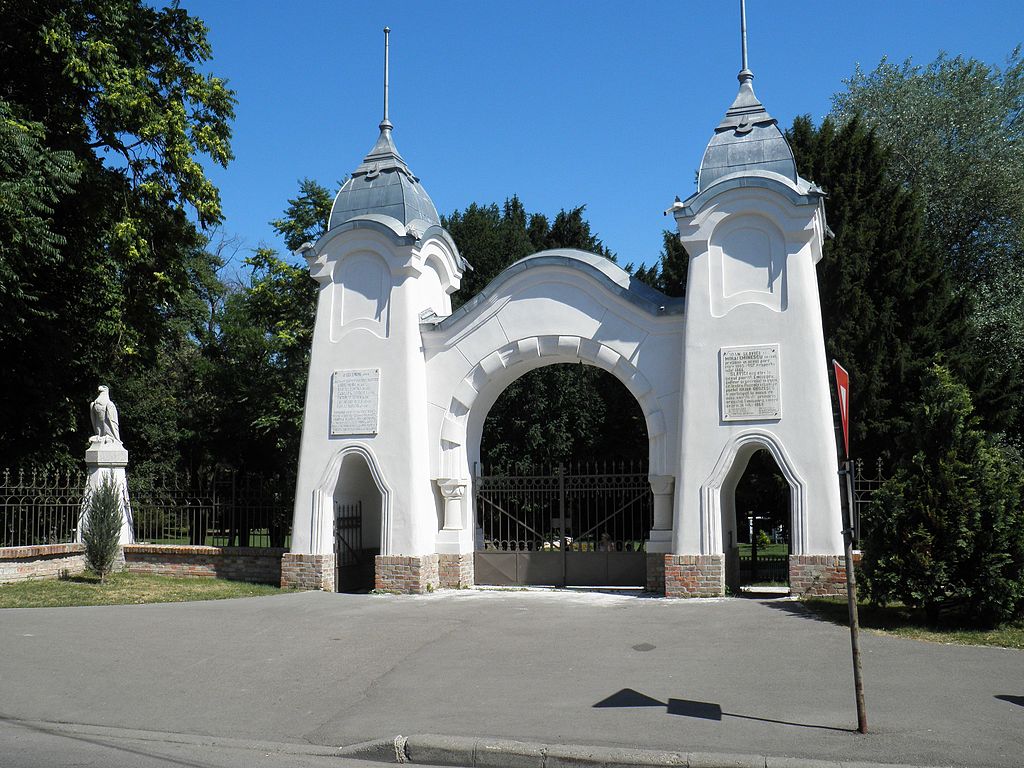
<point x="843" y="389"/>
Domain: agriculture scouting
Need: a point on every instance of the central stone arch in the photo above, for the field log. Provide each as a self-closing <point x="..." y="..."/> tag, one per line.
<point x="561" y="306"/>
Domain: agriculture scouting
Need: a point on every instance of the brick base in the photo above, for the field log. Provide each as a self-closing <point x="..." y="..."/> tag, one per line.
<point x="455" y="571"/>
<point x="46" y="561"/>
<point x="817" y="575"/>
<point x="408" y="575"/>
<point x="301" y="571"/>
<point x="694" y="575"/>
<point x="656" y="573"/>
<point x="260" y="565"/>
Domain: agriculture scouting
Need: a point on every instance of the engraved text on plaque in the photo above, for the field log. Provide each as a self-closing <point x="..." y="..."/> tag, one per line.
<point x="355" y="396"/>
<point x="751" y="383"/>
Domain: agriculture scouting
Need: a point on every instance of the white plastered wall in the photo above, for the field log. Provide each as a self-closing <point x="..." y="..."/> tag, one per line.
<point x="369" y="327"/>
<point x="752" y="281"/>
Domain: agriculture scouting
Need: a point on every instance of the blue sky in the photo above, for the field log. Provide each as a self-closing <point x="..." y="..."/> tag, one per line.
<point x="608" y="104"/>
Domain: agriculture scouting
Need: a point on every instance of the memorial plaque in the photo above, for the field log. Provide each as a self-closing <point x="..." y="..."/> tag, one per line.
<point x="751" y="387"/>
<point x="355" y="397"/>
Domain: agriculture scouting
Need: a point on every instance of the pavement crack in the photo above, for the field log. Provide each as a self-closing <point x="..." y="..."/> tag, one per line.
<point x="315" y="736"/>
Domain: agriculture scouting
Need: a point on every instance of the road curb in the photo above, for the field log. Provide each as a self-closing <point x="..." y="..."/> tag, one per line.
<point x="469" y="752"/>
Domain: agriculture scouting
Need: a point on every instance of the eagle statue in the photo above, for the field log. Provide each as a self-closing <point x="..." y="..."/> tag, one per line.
<point x="104" y="418"/>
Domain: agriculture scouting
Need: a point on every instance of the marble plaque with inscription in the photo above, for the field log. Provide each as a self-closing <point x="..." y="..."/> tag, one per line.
<point x="751" y="386"/>
<point x="355" y="399"/>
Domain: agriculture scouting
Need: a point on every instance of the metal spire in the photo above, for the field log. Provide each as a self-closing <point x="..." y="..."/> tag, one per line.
<point x="745" y="73"/>
<point x="385" y="123"/>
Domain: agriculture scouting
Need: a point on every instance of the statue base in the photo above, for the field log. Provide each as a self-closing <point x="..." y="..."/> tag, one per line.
<point x="105" y="459"/>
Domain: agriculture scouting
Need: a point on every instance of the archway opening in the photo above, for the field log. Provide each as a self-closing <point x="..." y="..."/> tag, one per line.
<point x="358" y="514"/>
<point x="567" y="413"/>
<point x="761" y="531"/>
<point x="562" y="494"/>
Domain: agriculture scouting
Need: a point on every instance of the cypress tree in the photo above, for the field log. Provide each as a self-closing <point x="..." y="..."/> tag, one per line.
<point x="888" y="308"/>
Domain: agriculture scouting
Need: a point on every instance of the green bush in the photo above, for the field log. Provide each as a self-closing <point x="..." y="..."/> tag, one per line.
<point x="763" y="540"/>
<point x="102" y="527"/>
<point x="946" y="532"/>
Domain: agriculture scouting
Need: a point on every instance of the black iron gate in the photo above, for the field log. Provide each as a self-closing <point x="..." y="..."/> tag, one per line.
<point x="578" y="526"/>
<point x="353" y="564"/>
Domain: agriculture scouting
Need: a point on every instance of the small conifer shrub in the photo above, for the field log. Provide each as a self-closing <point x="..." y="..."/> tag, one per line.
<point x="102" y="528"/>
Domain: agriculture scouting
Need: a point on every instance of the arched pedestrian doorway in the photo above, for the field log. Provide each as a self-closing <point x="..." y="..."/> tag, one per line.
<point x="762" y="507"/>
<point x="755" y="475"/>
<point x="562" y="492"/>
<point x="358" y="524"/>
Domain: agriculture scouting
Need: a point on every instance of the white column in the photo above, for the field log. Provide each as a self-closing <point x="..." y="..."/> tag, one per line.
<point x="453" y="492"/>
<point x="663" y="487"/>
<point x="455" y="537"/>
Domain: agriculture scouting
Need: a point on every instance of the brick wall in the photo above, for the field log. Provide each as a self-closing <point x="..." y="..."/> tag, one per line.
<point x="455" y="571"/>
<point x="818" y="575"/>
<point x="656" y="573"/>
<point x="307" y="571"/>
<point x="694" y="575"/>
<point x="41" y="562"/>
<point x="255" y="564"/>
<point x="409" y="575"/>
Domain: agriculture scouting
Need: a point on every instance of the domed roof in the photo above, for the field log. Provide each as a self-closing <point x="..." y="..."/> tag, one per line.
<point x="384" y="185"/>
<point x="748" y="139"/>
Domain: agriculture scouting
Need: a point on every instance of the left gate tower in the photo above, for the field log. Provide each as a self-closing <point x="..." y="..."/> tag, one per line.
<point x="383" y="264"/>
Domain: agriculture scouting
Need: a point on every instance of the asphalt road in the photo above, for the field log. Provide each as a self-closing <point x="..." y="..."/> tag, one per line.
<point x="318" y="669"/>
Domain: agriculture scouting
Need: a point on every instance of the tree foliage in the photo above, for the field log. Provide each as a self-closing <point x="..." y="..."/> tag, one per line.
<point x="946" y="532"/>
<point x="109" y="113"/>
<point x="954" y="130"/>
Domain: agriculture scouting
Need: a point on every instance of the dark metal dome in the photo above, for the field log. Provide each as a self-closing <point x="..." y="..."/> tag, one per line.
<point x="384" y="185"/>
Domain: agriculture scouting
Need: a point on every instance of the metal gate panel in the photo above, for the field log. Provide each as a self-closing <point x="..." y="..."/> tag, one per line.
<point x="496" y="568"/>
<point x="540" y="568"/>
<point x="581" y="527"/>
<point x="627" y="569"/>
<point x="354" y="566"/>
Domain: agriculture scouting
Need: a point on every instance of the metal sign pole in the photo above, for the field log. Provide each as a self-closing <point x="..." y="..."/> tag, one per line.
<point x="851" y="597"/>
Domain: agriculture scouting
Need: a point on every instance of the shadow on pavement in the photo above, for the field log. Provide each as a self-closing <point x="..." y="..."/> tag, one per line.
<point x="1018" y="700"/>
<point x="705" y="710"/>
<point x="795" y="608"/>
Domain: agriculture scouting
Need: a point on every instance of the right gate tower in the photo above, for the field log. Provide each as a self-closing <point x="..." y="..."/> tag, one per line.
<point x="755" y="374"/>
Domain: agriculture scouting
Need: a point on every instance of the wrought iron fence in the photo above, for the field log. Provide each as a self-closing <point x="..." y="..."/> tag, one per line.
<point x="222" y="510"/>
<point x="770" y="568"/>
<point x="864" y="488"/>
<point x="40" y="506"/>
<point x="585" y="507"/>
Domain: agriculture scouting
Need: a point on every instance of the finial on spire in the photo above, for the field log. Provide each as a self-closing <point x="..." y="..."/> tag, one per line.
<point x="745" y="73"/>
<point x="385" y="123"/>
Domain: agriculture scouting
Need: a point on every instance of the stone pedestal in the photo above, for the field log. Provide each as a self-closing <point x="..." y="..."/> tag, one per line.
<point x="108" y="459"/>
<point x="303" y="571"/>
<point x="407" y="574"/>
<point x="455" y="571"/>
<point x="817" y="575"/>
<point x="694" y="575"/>
<point x="655" y="573"/>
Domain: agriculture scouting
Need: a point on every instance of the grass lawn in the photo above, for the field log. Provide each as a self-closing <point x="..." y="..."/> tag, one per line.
<point x="906" y="622"/>
<point x="123" y="589"/>
<point x="771" y="549"/>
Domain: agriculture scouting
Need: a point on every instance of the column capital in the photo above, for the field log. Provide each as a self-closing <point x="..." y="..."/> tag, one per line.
<point x="452" y="488"/>
<point x="662" y="485"/>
